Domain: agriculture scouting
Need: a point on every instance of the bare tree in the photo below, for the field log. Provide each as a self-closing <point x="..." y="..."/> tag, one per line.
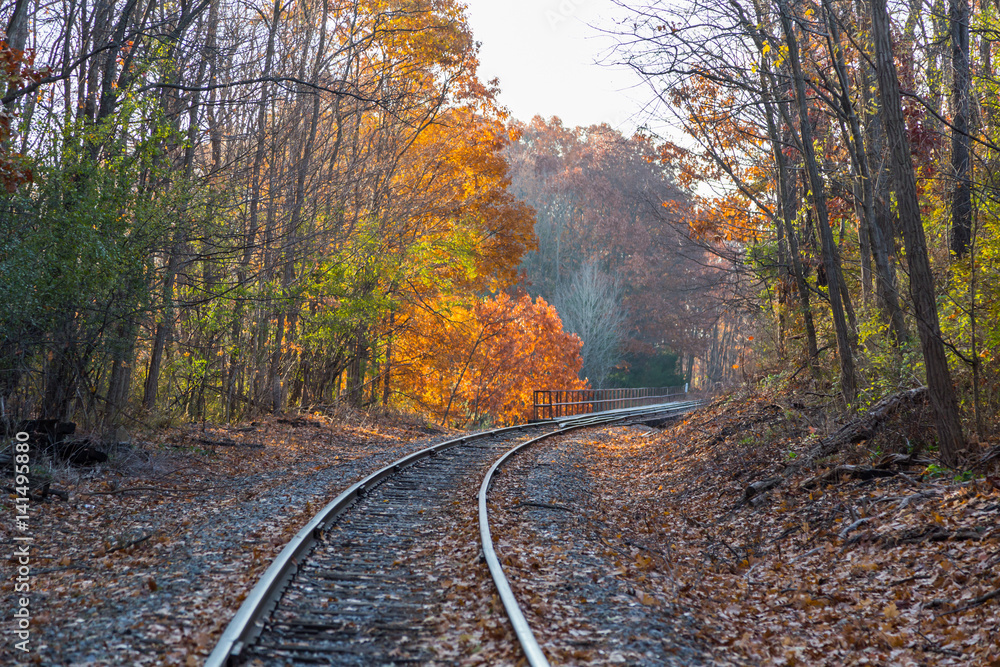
<point x="818" y="191"/>
<point x="961" y="81"/>
<point x="591" y="306"/>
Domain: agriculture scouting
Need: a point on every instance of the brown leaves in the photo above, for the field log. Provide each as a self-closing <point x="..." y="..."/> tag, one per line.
<point x="862" y="571"/>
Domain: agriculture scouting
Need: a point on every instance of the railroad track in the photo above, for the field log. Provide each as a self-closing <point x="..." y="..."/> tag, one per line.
<point x="354" y="586"/>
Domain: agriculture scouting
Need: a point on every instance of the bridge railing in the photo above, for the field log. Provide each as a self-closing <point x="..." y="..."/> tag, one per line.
<point x="556" y="403"/>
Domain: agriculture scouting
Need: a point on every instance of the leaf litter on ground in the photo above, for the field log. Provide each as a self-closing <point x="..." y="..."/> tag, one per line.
<point x="154" y="551"/>
<point x="815" y="569"/>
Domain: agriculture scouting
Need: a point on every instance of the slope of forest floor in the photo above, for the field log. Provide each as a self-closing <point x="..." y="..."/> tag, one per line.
<point x="153" y="552"/>
<point x="834" y="566"/>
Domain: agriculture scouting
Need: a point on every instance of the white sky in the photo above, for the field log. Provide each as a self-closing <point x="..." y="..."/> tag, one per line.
<point x="544" y="53"/>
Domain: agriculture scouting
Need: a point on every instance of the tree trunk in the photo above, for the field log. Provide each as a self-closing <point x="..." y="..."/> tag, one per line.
<point x="881" y="228"/>
<point x="387" y="367"/>
<point x="357" y="369"/>
<point x="942" y="393"/>
<point x="61" y="377"/>
<point x="121" y="373"/>
<point x="236" y="362"/>
<point x="163" y="327"/>
<point x="871" y="233"/>
<point x="848" y="381"/>
<point x="961" y="195"/>
<point x="786" y="193"/>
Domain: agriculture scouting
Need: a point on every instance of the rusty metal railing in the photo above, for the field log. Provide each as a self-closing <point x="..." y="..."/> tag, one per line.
<point x="558" y="403"/>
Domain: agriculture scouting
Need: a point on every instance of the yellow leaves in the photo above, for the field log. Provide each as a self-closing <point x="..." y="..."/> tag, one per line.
<point x="468" y="228"/>
<point x="486" y="357"/>
<point x="643" y="562"/>
<point x="890" y="611"/>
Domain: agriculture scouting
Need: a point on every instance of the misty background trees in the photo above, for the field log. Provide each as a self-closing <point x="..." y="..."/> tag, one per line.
<point x="614" y="254"/>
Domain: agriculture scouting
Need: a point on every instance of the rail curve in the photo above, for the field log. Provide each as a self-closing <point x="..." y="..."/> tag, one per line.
<point x="277" y="618"/>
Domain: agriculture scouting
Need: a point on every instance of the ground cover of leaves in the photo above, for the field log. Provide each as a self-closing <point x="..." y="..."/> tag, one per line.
<point x="649" y="531"/>
<point x="572" y="583"/>
<point x="897" y="570"/>
<point x="154" y="552"/>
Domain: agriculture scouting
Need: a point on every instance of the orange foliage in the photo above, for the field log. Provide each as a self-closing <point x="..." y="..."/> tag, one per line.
<point x="725" y="218"/>
<point x="465" y="362"/>
<point x="465" y="231"/>
<point x="16" y="71"/>
<point x="730" y="147"/>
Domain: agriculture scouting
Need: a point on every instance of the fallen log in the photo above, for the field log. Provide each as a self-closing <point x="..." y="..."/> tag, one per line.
<point x="846" y="472"/>
<point x="758" y="488"/>
<point x="80" y="452"/>
<point x="860" y="429"/>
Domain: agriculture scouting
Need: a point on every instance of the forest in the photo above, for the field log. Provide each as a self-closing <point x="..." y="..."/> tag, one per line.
<point x="848" y="158"/>
<point x="218" y="210"/>
<point x="254" y="252"/>
<point x="214" y="210"/>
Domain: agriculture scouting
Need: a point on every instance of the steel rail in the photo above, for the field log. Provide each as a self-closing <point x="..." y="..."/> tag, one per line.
<point x="648" y="411"/>
<point x="247" y="624"/>
<point x="532" y="650"/>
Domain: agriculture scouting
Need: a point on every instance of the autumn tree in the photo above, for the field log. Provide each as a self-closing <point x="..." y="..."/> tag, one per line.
<point x="498" y="351"/>
<point x="235" y="208"/>
<point x="922" y="290"/>
<point x="791" y="115"/>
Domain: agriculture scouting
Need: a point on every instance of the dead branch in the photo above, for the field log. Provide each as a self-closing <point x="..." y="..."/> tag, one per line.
<point x="846" y="472"/>
<point x="228" y="443"/>
<point x="130" y="543"/>
<point x="933" y="533"/>
<point x="982" y="599"/>
<point x="860" y="429"/>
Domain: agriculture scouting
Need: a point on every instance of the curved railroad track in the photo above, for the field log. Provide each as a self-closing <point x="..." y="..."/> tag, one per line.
<point x="354" y="586"/>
